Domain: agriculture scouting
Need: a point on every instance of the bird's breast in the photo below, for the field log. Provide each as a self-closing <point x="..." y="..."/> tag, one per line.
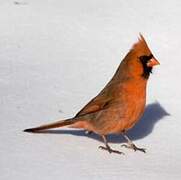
<point x="134" y="104"/>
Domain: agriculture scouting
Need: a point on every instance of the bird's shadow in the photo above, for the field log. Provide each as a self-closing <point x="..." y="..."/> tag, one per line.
<point x="153" y="114"/>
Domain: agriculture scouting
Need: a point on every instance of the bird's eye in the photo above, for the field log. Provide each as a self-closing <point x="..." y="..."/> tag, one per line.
<point x="145" y="58"/>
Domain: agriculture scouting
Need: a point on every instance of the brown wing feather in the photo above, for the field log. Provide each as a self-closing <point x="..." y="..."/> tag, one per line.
<point x="96" y="104"/>
<point x="101" y="101"/>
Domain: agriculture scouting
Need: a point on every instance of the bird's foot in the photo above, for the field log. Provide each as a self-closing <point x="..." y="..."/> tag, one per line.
<point x="134" y="147"/>
<point x="107" y="148"/>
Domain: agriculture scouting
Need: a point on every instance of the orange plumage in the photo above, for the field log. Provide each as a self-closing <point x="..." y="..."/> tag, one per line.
<point x="121" y="103"/>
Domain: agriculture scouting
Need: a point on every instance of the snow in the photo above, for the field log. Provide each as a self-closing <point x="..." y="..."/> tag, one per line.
<point x="54" y="57"/>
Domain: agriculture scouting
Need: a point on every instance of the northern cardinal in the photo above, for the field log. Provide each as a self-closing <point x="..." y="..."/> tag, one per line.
<point x="120" y="104"/>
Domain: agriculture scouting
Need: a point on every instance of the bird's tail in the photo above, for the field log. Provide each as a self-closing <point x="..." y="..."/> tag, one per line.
<point x="52" y="125"/>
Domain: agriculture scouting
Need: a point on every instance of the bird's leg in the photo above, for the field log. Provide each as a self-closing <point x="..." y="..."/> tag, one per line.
<point x="107" y="147"/>
<point x="131" y="145"/>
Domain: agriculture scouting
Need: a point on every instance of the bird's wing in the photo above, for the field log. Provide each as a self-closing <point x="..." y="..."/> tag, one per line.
<point x="96" y="104"/>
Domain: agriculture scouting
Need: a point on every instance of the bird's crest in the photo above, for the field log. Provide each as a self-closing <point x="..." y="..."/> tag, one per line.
<point x="141" y="45"/>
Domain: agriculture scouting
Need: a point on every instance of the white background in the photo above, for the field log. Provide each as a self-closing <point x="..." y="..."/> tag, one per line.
<point x="55" y="56"/>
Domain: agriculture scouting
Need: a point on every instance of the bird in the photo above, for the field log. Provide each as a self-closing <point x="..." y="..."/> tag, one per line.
<point x="120" y="104"/>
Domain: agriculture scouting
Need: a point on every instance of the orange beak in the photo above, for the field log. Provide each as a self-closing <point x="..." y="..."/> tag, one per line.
<point x="152" y="62"/>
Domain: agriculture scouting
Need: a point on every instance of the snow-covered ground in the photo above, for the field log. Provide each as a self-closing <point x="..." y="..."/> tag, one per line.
<point x="55" y="55"/>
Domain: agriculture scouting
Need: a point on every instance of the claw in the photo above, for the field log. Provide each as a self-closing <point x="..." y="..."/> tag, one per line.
<point x="107" y="147"/>
<point x="134" y="147"/>
<point x="110" y="150"/>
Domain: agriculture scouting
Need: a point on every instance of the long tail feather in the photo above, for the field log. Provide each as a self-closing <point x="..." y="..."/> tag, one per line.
<point x="52" y="125"/>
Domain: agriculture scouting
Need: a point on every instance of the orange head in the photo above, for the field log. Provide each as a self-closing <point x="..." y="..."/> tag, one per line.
<point x="140" y="59"/>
